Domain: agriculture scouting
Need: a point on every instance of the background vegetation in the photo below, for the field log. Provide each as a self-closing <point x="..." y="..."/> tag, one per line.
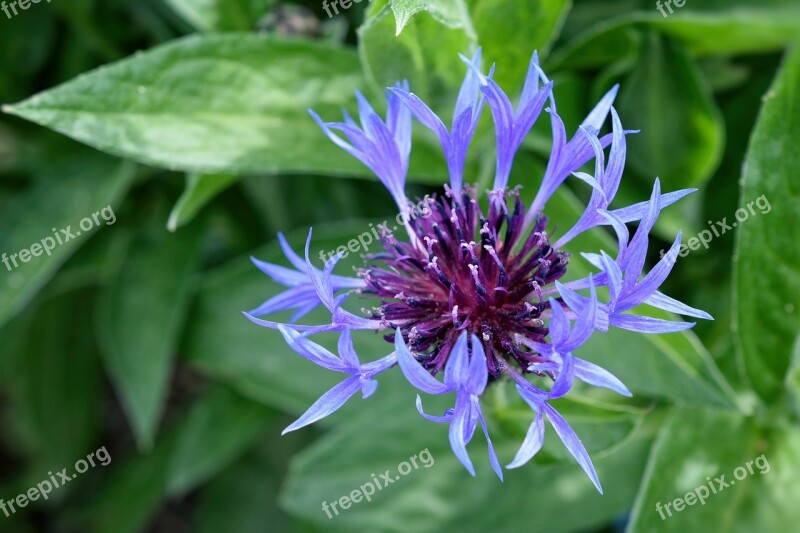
<point x="189" y="118"/>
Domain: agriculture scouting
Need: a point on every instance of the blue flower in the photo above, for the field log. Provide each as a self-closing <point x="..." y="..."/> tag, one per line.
<point x="476" y="292"/>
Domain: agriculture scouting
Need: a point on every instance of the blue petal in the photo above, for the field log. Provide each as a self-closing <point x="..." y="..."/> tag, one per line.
<point x="593" y="183"/>
<point x="283" y="275"/>
<point x="298" y="327"/>
<point x="398" y="120"/>
<point x="559" y="325"/>
<point x="424" y="114"/>
<point x="438" y="419"/>
<point x="413" y="370"/>
<point x="456" y="372"/>
<point x="346" y="350"/>
<point x="476" y="408"/>
<point x="635" y="212"/>
<point x="662" y="301"/>
<point x="328" y="403"/>
<point x="458" y="427"/>
<point x="637" y="250"/>
<point x="321" y="281"/>
<point x="469" y="96"/>
<point x="623" y="235"/>
<point x="573" y="444"/>
<point x="565" y="377"/>
<point x="652" y="281"/>
<point x="313" y="351"/>
<point x="614" y="277"/>
<point x="585" y="323"/>
<point x="553" y="178"/>
<point x="597" y="117"/>
<point x="368" y="387"/>
<point x="478" y="369"/>
<point x="532" y="443"/>
<point x="302" y="297"/>
<point x="644" y="324"/>
<point x="599" y="377"/>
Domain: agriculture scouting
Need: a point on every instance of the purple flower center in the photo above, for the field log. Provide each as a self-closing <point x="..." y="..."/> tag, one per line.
<point x="467" y="271"/>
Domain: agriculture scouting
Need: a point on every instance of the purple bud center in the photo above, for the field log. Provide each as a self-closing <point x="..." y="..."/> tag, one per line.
<point x="470" y="271"/>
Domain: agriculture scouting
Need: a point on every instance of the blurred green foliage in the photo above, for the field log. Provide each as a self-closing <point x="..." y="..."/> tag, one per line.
<point x="193" y="120"/>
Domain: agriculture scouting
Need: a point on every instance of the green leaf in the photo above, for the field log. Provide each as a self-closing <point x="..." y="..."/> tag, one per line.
<point x="451" y="13"/>
<point x="227" y="103"/>
<point x="767" y="279"/>
<point x="405" y="9"/>
<point x="221" y="15"/>
<point x="425" y="54"/>
<point x="76" y="186"/>
<point x="140" y="320"/>
<point x="536" y="26"/>
<point x="709" y="28"/>
<point x="244" y="497"/>
<point x="211" y="436"/>
<point x="683" y="146"/>
<point x="55" y="384"/>
<point x="200" y="189"/>
<point x="694" y="449"/>
<point x="217" y="429"/>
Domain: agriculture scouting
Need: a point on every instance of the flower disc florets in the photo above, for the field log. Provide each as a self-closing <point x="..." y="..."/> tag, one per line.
<point x="474" y="272"/>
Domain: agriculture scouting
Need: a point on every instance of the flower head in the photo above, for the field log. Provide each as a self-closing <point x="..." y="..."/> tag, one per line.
<point x="475" y="292"/>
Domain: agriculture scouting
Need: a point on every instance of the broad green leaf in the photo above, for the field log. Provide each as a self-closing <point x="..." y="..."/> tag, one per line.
<point x="41" y="227"/>
<point x="226" y="103"/>
<point x="451" y="13"/>
<point x="140" y="318"/>
<point x="54" y="385"/>
<point x="235" y="422"/>
<point x="244" y="497"/>
<point x="683" y="146"/>
<point x="536" y="26"/>
<point x="405" y="9"/>
<point x="440" y="495"/>
<point x="221" y="15"/>
<point x="741" y="476"/>
<point x="425" y="54"/>
<point x="709" y="28"/>
<point x="767" y="279"/>
<point x="216" y="430"/>
<point x="133" y="491"/>
<point x="200" y="190"/>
